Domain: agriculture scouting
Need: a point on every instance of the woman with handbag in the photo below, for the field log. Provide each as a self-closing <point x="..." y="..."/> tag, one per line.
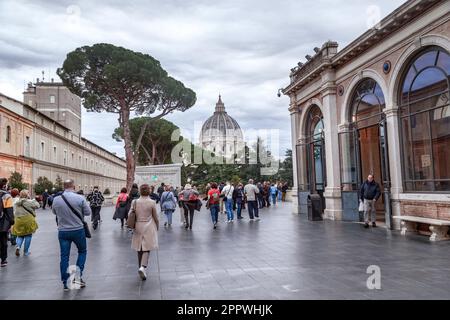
<point x="25" y="221"/>
<point x="122" y="207"/>
<point x="143" y="218"/>
<point x="168" y="204"/>
<point x="189" y="198"/>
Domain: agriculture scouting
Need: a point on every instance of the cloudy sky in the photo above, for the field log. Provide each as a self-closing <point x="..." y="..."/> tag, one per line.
<point x="243" y="49"/>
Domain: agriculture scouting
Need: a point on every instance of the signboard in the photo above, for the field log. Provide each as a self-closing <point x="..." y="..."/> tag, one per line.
<point x="426" y="160"/>
<point x="169" y="174"/>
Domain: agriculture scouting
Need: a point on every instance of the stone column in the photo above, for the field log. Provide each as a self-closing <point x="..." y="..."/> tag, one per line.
<point x="294" y="134"/>
<point x="333" y="202"/>
<point x="395" y="165"/>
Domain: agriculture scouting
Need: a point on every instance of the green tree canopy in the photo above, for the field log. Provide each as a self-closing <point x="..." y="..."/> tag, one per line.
<point x="42" y="184"/>
<point x="156" y="144"/>
<point x="16" y="181"/>
<point x="114" y="79"/>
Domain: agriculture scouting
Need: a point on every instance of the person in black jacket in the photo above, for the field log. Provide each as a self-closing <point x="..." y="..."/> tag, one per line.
<point x="370" y="193"/>
<point x="6" y="220"/>
<point x="95" y="199"/>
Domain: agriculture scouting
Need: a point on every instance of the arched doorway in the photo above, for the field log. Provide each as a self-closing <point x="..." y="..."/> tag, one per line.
<point x="311" y="168"/>
<point x="363" y="149"/>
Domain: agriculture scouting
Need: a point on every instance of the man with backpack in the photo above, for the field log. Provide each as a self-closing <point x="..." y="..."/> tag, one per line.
<point x="95" y="199"/>
<point x="213" y="201"/>
<point x="6" y="220"/>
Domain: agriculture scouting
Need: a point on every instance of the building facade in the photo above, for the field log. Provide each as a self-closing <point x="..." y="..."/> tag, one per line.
<point x="221" y="134"/>
<point x="35" y="142"/>
<point x="379" y="106"/>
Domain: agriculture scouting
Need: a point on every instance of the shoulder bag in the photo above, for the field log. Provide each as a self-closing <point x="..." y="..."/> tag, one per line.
<point x="85" y="225"/>
<point x="131" y="221"/>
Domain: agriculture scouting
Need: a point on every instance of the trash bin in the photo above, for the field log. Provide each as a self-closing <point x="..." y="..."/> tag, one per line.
<point x="314" y="207"/>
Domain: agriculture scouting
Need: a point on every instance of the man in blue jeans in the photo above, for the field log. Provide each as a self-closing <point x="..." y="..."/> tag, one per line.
<point x="252" y="191"/>
<point x="71" y="229"/>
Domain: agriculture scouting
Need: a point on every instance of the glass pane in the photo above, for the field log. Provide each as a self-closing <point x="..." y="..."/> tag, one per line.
<point x="444" y="61"/>
<point x="407" y="84"/>
<point x="443" y="185"/>
<point x="347" y="148"/>
<point x="440" y="132"/>
<point x="426" y="60"/>
<point x="429" y="82"/>
<point x="302" y="173"/>
<point x="318" y="167"/>
<point x="407" y="150"/>
<point x="368" y="102"/>
<point x="422" y="152"/>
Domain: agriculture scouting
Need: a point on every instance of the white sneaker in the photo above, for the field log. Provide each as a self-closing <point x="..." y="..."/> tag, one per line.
<point x="142" y="273"/>
<point x="257" y="218"/>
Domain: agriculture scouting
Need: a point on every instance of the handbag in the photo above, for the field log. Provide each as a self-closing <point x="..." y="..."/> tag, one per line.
<point x="85" y="225"/>
<point x="131" y="221"/>
<point x="361" y="206"/>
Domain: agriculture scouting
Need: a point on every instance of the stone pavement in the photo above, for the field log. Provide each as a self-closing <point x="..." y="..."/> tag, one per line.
<point x="283" y="256"/>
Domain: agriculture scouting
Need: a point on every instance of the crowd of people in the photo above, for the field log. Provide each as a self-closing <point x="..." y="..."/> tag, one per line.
<point x="136" y="209"/>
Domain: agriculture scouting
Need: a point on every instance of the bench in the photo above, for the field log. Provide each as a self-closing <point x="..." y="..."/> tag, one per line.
<point x="439" y="228"/>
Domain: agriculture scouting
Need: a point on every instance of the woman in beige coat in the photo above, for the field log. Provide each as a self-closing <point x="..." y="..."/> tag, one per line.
<point x="146" y="226"/>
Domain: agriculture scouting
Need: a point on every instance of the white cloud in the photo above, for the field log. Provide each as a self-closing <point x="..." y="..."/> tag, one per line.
<point x="242" y="49"/>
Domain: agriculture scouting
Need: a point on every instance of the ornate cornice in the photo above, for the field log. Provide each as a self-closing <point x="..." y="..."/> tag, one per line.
<point x="328" y="57"/>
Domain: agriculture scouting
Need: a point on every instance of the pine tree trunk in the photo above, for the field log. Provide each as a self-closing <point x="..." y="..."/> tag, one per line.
<point x="129" y="156"/>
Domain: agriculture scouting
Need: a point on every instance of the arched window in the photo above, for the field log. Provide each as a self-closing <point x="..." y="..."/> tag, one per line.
<point x="425" y="121"/>
<point x="367" y="103"/>
<point x="8" y="134"/>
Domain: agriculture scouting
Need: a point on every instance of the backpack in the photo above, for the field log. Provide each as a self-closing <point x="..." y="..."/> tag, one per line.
<point x="2" y="210"/>
<point x="193" y="197"/>
<point x="215" y="196"/>
<point x="1" y="204"/>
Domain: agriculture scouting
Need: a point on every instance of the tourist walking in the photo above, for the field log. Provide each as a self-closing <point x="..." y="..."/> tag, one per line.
<point x="134" y="193"/>
<point x="284" y="190"/>
<point x="260" y="195"/>
<point x="370" y="193"/>
<point x="25" y="222"/>
<point x="70" y="208"/>
<point x="189" y="199"/>
<point x="239" y="199"/>
<point x="227" y="193"/>
<point x="6" y="220"/>
<point x="45" y="196"/>
<point x="144" y="221"/>
<point x="122" y="206"/>
<point x="154" y="196"/>
<point x="161" y="189"/>
<point x="213" y="200"/>
<point x="222" y="200"/>
<point x="273" y="193"/>
<point x="279" y="193"/>
<point x="168" y="205"/>
<point x="15" y="197"/>
<point x="251" y="192"/>
<point x="266" y="193"/>
<point x="95" y="199"/>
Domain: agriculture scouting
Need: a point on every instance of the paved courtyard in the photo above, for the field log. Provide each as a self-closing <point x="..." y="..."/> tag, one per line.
<point x="283" y="256"/>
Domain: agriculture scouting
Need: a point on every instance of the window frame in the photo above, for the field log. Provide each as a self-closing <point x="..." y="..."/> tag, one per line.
<point x="404" y="109"/>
